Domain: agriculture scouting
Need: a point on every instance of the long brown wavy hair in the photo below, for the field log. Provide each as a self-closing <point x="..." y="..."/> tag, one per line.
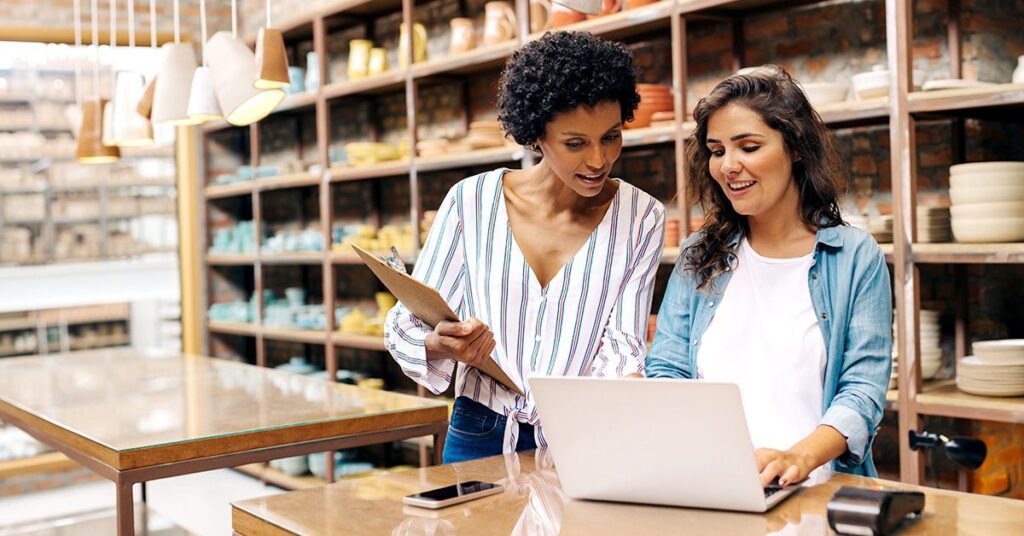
<point x="771" y="92"/>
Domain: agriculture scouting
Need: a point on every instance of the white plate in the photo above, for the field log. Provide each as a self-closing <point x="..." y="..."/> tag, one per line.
<point x="952" y="83"/>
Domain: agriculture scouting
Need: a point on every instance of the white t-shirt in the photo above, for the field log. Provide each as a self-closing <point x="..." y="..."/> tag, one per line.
<point x="765" y="338"/>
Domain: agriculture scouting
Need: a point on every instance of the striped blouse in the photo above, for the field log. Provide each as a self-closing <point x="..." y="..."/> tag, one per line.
<point x="591" y="319"/>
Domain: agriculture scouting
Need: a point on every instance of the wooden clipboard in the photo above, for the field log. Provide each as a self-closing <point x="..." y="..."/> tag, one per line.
<point x="426" y="304"/>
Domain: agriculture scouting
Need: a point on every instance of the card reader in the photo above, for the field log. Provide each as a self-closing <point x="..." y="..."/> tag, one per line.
<point x="872" y="512"/>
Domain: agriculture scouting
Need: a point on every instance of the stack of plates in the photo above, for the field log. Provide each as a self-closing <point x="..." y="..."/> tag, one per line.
<point x="663" y="119"/>
<point x="988" y="201"/>
<point x="933" y="225"/>
<point x="995" y="369"/>
<point x="654" y="98"/>
<point x="433" y="147"/>
<point x="880" y="227"/>
<point x="366" y="153"/>
<point x="931" y="352"/>
<point x="484" y="135"/>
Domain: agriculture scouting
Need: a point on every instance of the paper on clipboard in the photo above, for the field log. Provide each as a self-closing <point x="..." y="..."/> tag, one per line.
<point x="426" y="304"/>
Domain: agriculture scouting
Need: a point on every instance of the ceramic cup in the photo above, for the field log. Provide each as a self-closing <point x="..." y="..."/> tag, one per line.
<point x="463" y="37"/>
<point x="297" y="79"/>
<point x="499" y="22"/>
<point x="359" y="58"/>
<point x="378" y="61"/>
<point x="540" y="15"/>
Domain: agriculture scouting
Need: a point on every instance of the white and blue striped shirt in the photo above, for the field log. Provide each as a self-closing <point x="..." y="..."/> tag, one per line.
<point x="591" y="319"/>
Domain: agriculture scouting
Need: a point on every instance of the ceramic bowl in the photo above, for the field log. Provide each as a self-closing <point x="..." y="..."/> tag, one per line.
<point x="991" y="194"/>
<point x="1013" y="209"/>
<point x="987" y="167"/>
<point x="820" y="93"/>
<point x="872" y="84"/>
<point x="988" y="229"/>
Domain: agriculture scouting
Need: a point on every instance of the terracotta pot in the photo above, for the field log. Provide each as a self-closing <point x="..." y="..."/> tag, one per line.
<point x="607" y="8"/>
<point x="562" y="16"/>
<point x="633" y="4"/>
<point x="540" y="15"/>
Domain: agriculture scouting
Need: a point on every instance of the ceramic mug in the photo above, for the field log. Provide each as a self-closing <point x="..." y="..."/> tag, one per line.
<point x="463" y="38"/>
<point x="540" y="15"/>
<point x="312" y="71"/>
<point x="499" y="22"/>
<point x="378" y="61"/>
<point x="359" y="58"/>
<point x="563" y="16"/>
<point x="296" y="79"/>
<point x="419" y="44"/>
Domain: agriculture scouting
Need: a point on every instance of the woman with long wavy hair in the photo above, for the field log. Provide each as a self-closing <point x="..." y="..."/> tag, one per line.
<point x="775" y="293"/>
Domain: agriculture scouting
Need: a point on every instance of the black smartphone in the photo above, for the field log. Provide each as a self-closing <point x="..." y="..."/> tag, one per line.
<point x="455" y="494"/>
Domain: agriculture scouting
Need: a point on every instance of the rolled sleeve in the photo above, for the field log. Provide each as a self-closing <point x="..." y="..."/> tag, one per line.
<point x="850" y="423"/>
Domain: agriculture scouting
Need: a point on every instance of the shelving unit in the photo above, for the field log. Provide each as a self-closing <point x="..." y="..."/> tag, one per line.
<point x="57" y="330"/>
<point x="676" y="21"/>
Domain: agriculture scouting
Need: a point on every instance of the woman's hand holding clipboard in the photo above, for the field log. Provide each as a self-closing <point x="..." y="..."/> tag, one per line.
<point x="426" y="304"/>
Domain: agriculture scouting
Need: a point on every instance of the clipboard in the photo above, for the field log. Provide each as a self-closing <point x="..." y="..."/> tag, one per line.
<point x="427" y="304"/>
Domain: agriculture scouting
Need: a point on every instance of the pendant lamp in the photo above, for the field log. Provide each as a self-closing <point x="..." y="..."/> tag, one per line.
<point x="202" y="102"/>
<point x="90" y="148"/>
<point x="131" y="129"/>
<point x="108" y="109"/>
<point x="271" y="57"/>
<point x="145" y="107"/>
<point x="234" y="71"/>
<point x="170" y="98"/>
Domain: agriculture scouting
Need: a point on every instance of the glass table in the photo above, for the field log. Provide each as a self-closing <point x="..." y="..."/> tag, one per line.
<point x="132" y="418"/>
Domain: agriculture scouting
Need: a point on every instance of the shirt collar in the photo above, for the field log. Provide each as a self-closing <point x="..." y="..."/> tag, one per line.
<point x="828" y="236"/>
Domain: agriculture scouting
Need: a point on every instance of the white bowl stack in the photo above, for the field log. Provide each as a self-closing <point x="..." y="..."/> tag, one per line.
<point x="880" y="227"/>
<point x="933" y="225"/>
<point x="995" y="369"/>
<point x="987" y="201"/>
<point x="931" y="352"/>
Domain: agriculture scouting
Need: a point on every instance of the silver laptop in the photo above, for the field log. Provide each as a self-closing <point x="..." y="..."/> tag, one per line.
<point x="653" y="441"/>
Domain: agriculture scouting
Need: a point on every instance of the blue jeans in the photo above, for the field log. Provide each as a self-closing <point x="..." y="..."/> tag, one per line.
<point x="478" y="432"/>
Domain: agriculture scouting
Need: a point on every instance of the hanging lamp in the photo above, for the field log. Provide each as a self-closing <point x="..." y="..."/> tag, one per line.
<point x="108" y="108"/>
<point x="170" y="98"/>
<point x="90" y="148"/>
<point x="202" y="102"/>
<point x="145" y="107"/>
<point x="131" y="129"/>
<point x="271" y="57"/>
<point x="234" y="71"/>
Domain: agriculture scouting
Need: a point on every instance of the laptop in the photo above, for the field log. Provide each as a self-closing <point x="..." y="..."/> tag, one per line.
<point x="652" y="441"/>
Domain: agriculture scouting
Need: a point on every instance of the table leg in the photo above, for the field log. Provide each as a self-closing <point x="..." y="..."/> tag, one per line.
<point x="125" y="512"/>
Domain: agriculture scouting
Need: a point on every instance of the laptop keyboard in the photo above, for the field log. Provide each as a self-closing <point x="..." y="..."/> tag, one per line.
<point x="771" y="490"/>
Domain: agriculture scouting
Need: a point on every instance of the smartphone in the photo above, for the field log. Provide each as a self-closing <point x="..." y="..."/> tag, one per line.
<point x="449" y="495"/>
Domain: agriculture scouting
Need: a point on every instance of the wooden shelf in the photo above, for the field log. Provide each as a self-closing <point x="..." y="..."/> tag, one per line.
<point x="387" y="82"/>
<point x="476" y="60"/>
<point x="639" y="137"/>
<point x="51" y="462"/>
<point x="943" y="399"/>
<point x="298" y="257"/>
<point x="279" y="479"/>
<point x="374" y="171"/>
<point x="981" y="98"/>
<point x="855" y="113"/>
<point x="16" y="324"/>
<point x="223" y="259"/>
<point x="307" y="336"/>
<point x="296" y="100"/>
<point x="290" y="180"/>
<point x="361" y="342"/>
<point x="219" y="191"/>
<point x="1012" y="253"/>
<point x="624" y="24"/>
<point x="470" y="159"/>
<point x="233" y="328"/>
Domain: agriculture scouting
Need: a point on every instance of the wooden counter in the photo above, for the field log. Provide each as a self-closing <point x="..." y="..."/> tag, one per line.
<point x="533" y="503"/>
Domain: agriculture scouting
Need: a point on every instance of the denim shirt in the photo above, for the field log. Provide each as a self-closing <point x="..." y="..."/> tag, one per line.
<point x="852" y="298"/>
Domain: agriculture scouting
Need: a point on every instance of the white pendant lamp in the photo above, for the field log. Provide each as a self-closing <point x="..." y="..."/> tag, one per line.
<point x="234" y="70"/>
<point x="202" y="102"/>
<point x="170" y="98"/>
<point x="89" y="148"/>
<point x="271" y="57"/>
<point x="145" y="107"/>
<point x="130" y="128"/>
<point x="108" y="109"/>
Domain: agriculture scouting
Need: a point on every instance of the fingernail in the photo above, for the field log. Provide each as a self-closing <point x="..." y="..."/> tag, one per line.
<point x="782" y="482"/>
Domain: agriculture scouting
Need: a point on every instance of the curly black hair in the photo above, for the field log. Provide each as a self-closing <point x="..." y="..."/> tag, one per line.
<point x="558" y="73"/>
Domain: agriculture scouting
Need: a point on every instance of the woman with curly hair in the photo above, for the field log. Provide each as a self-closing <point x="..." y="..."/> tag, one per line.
<point x="776" y="294"/>
<point x="552" y="266"/>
